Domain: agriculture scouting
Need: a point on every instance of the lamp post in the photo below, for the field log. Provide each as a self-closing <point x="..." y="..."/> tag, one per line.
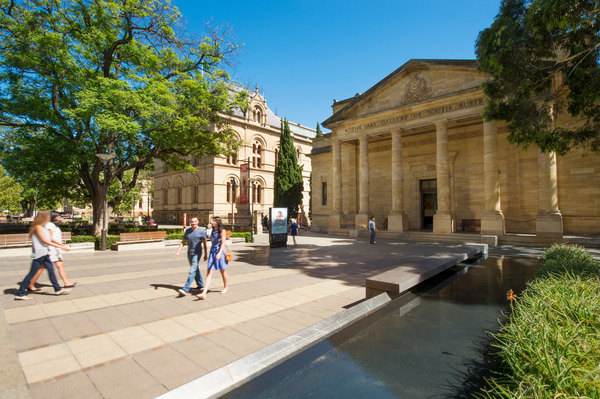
<point x="251" y="199"/>
<point x="105" y="158"/>
<point x="233" y="187"/>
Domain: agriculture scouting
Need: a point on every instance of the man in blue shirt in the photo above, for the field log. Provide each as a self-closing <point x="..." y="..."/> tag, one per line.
<point x="195" y="239"/>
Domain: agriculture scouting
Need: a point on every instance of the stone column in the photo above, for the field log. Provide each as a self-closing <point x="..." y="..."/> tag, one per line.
<point x="362" y="218"/>
<point x="397" y="219"/>
<point x="549" y="219"/>
<point x="336" y="216"/>
<point x="492" y="218"/>
<point x="443" y="221"/>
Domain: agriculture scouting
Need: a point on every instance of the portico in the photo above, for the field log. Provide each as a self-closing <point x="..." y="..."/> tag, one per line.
<point x="416" y="152"/>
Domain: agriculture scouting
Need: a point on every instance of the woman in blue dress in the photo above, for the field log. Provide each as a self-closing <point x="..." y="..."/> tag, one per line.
<point x="216" y="257"/>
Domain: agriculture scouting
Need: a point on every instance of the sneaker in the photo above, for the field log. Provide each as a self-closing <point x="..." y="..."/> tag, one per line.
<point x="182" y="291"/>
<point x="22" y="298"/>
<point x="62" y="292"/>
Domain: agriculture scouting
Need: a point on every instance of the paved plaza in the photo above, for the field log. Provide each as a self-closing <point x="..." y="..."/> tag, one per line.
<point x="125" y="332"/>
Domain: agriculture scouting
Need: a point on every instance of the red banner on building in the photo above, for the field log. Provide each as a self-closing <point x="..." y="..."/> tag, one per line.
<point x="244" y="177"/>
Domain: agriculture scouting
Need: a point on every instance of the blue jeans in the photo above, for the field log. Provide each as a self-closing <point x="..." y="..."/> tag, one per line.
<point x="194" y="273"/>
<point x="372" y="236"/>
<point x="35" y="266"/>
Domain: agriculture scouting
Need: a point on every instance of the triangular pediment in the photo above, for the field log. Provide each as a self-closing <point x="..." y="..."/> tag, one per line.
<point x="415" y="82"/>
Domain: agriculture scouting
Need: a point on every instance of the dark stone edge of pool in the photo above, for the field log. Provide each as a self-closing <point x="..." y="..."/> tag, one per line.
<point x="235" y="374"/>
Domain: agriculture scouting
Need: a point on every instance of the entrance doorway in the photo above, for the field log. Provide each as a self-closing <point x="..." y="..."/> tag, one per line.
<point x="428" y="202"/>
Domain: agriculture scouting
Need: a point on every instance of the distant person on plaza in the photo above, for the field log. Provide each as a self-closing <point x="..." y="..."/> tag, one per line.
<point x="195" y="238"/>
<point x="40" y="241"/>
<point x="216" y="258"/>
<point x="294" y="230"/>
<point x="373" y="229"/>
<point x="208" y="230"/>
<point x="174" y="220"/>
<point x="265" y="223"/>
<point x="55" y="254"/>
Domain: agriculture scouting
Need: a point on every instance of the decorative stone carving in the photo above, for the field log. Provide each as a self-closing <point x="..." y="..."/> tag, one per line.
<point x="416" y="90"/>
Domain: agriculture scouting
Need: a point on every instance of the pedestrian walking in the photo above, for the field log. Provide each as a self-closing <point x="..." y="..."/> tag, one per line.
<point x="40" y="241"/>
<point x="55" y="254"/>
<point x="294" y="230"/>
<point x="373" y="229"/>
<point x="216" y="258"/>
<point x="195" y="238"/>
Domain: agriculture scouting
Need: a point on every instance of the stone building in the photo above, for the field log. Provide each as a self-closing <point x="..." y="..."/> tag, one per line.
<point x="215" y="188"/>
<point x="415" y="152"/>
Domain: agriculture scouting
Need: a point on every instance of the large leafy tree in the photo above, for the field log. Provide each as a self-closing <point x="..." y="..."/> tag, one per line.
<point x="543" y="58"/>
<point x="10" y="193"/>
<point x="288" y="184"/>
<point x="108" y="76"/>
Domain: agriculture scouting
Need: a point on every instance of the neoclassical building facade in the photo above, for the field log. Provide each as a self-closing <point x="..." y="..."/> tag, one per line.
<point x="415" y="152"/>
<point x="214" y="190"/>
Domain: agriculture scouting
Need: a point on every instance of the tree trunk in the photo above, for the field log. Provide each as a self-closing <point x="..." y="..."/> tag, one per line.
<point x="97" y="207"/>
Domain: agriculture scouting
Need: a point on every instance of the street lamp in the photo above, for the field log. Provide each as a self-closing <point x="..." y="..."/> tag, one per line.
<point x="105" y="158"/>
<point x="233" y="187"/>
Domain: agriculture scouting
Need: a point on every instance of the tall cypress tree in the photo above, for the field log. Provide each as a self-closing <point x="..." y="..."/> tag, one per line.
<point x="288" y="183"/>
<point x="319" y="132"/>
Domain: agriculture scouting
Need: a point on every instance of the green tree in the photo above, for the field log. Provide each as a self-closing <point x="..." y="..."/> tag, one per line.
<point x="108" y="76"/>
<point x="288" y="183"/>
<point x="543" y="57"/>
<point x="10" y="193"/>
<point x="319" y="132"/>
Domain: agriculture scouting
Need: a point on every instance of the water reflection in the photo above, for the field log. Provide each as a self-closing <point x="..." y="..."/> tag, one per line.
<point x="429" y="344"/>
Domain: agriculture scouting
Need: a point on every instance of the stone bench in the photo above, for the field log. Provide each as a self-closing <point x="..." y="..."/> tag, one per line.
<point x="412" y="271"/>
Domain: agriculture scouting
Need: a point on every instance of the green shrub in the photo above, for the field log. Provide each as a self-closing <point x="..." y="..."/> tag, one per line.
<point x="550" y="344"/>
<point x="245" y="234"/>
<point x="174" y="236"/>
<point x="110" y="240"/>
<point x="561" y="259"/>
<point x="82" y="239"/>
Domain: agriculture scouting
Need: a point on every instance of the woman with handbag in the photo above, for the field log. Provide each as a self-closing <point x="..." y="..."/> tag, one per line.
<point x="217" y="257"/>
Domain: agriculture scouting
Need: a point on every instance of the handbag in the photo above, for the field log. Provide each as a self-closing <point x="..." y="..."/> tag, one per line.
<point x="228" y="256"/>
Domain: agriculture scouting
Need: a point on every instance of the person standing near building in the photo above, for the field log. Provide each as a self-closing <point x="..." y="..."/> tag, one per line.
<point x="216" y="259"/>
<point x="373" y="229"/>
<point x="54" y="253"/>
<point x="40" y="241"/>
<point x="195" y="238"/>
<point x="294" y="230"/>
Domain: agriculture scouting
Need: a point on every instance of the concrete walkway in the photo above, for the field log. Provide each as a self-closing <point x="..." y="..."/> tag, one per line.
<point x="125" y="331"/>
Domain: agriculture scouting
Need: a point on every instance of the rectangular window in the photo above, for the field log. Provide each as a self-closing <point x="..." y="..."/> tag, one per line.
<point x="324" y="193"/>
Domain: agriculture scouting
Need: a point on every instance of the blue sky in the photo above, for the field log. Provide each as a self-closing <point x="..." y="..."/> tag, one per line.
<point x="304" y="54"/>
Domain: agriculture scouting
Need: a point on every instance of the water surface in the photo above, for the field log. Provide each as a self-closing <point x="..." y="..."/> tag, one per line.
<point x="429" y="343"/>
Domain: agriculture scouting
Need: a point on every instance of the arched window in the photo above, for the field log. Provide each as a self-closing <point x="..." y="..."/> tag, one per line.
<point x="166" y="195"/>
<point x="276" y="156"/>
<point x="195" y="194"/>
<point x="232" y="191"/>
<point x="256" y="193"/>
<point x="257" y="115"/>
<point x="179" y="194"/>
<point x="256" y="155"/>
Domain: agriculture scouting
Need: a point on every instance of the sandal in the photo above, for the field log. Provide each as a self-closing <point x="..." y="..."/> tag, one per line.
<point x="34" y="289"/>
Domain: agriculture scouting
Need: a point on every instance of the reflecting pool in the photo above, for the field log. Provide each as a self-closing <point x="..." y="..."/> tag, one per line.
<point x="428" y="343"/>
